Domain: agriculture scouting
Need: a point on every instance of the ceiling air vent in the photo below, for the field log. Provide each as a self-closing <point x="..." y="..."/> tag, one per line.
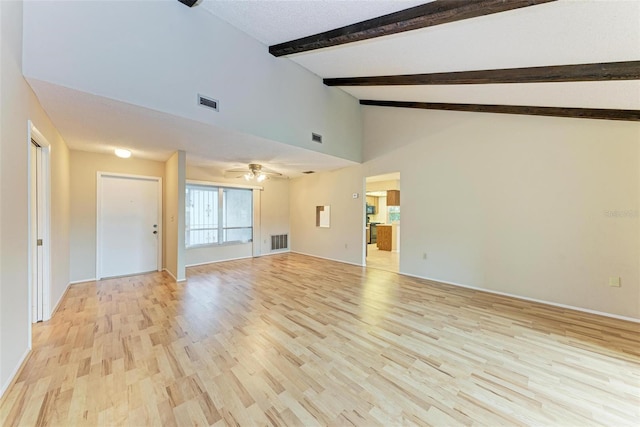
<point x="308" y="172"/>
<point x="208" y="102"/>
<point x="316" y="137"/>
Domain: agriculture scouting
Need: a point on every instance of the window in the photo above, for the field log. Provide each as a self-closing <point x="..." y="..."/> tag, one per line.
<point x="394" y="213"/>
<point x="218" y="215"/>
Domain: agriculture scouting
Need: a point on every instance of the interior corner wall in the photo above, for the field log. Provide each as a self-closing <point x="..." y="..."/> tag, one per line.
<point x="18" y="105"/>
<point x="84" y="168"/>
<point x="344" y="239"/>
<point x="174" y="215"/>
<point x="538" y="207"/>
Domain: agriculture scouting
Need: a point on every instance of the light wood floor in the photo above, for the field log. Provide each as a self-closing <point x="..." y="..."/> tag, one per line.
<point x="294" y="340"/>
<point x="383" y="260"/>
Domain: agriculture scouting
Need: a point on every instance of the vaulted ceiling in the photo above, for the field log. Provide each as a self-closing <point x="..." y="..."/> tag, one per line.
<point x="527" y="53"/>
<point x="107" y="77"/>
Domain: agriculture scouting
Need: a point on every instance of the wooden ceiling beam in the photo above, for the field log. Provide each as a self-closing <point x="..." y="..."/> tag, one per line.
<point x="626" y="70"/>
<point x="580" y="113"/>
<point x="189" y="3"/>
<point x="426" y="15"/>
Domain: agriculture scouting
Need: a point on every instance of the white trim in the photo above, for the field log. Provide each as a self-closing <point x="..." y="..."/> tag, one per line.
<point x="554" y="304"/>
<point x="329" y="259"/>
<point x="99" y="176"/>
<point x="75" y="282"/>
<point x="218" y="261"/>
<point x="34" y="133"/>
<point x="55" y="308"/>
<point x="174" y="277"/>
<point x="276" y="252"/>
<point x="15" y="372"/>
<point x="223" y="184"/>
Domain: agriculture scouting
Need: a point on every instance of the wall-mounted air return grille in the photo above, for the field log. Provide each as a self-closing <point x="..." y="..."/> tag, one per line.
<point x="316" y="137"/>
<point x="279" y="241"/>
<point x="208" y="102"/>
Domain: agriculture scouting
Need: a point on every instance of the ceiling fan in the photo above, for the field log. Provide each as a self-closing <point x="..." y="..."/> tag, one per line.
<point x="253" y="171"/>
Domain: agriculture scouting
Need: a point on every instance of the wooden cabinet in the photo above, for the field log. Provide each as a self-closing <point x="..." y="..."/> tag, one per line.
<point x="393" y="197"/>
<point x="384" y="237"/>
<point x="373" y="201"/>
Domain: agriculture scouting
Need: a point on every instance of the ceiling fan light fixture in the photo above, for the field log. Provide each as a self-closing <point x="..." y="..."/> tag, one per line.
<point x="261" y="177"/>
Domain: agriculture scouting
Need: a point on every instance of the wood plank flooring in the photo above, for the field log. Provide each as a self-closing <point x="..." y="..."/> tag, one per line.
<point x="294" y="340"/>
<point x="382" y="260"/>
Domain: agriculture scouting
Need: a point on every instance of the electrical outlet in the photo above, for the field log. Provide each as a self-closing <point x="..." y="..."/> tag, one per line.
<point x="424" y="255"/>
<point x="614" y="282"/>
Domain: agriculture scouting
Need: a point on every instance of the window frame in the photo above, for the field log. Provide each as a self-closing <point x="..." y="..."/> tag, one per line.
<point x="220" y="229"/>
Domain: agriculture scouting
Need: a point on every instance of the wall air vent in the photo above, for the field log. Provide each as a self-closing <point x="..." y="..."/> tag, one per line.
<point x="208" y="102"/>
<point x="279" y="241"/>
<point x="316" y="137"/>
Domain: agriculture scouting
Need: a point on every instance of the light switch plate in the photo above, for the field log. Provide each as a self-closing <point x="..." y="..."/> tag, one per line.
<point x="355" y="195"/>
<point x="614" y="282"/>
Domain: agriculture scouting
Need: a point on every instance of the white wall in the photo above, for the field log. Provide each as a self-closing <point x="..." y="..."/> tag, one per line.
<point x="544" y="208"/>
<point x="161" y="54"/>
<point x="18" y="104"/>
<point x="273" y="216"/>
<point x="174" y="215"/>
<point x="344" y="240"/>
<point x="84" y="167"/>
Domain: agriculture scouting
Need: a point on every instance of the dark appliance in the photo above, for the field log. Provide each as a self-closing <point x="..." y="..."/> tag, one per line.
<point x="373" y="232"/>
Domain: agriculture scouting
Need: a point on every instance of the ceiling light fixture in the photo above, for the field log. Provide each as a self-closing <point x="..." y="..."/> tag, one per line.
<point x="255" y="172"/>
<point x="122" y="153"/>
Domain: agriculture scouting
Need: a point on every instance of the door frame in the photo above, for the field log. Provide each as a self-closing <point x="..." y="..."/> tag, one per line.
<point x="44" y="202"/>
<point x="99" y="176"/>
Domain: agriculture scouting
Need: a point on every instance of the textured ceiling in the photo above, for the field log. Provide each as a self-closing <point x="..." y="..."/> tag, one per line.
<point x="556" y="33"/>
<point x="272" y="22"/>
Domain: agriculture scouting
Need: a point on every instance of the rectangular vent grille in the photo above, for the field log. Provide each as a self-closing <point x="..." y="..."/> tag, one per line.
<point x="208" y="102"/>
<point x="316" y="137"/>
<point x="279" y="241"/>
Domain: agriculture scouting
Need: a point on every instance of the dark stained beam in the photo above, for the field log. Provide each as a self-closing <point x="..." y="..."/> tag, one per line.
<point x="627" y="70"/>
<point x="580" y="113"/>
<point x="189" y="3"/>
<point x="426" y="15"/>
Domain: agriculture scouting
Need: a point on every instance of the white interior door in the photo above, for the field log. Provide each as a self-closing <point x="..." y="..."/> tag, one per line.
<point x="36" y="224"/>
<point x="129" y="228"/>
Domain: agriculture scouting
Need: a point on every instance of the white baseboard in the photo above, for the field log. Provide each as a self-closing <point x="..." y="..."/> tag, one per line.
<point x="174" y="277"/>
<point x="55" y="308"/>
<point x="278" y="252"/>
<point x="554" y="304"/>
<point x="14" y="373"/>
<point x="329" y="259"/>
<point x="218" y="260"/>
<point x="75" y="282"/>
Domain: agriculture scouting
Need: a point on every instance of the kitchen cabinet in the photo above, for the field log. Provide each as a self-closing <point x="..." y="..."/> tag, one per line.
<point x="393" y="197"/>
<point x="384" y="241"/>
<point x="373" y="201"/>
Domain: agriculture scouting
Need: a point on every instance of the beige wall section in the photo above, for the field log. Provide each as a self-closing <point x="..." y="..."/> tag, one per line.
<point x="274" y="217"/>
<point x="344" y="239"/>
<point x="543" y="208"/>
<point x="18" y="104"/>
<point x="84" y="169"/>
<point x="174" y="214"/>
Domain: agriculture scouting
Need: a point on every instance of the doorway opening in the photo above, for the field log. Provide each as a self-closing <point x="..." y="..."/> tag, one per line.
<point x="39" y="226"/>
<point x="382" y="222"/>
